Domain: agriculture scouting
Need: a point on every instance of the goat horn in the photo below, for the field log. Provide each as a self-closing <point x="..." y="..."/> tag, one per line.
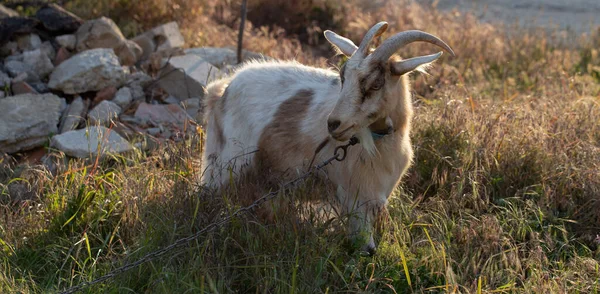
<point x="392" y="44"/>
<point x="375" y="31"/>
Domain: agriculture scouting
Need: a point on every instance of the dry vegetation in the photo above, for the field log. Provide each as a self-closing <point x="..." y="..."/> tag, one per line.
<point x="504" y="195"/>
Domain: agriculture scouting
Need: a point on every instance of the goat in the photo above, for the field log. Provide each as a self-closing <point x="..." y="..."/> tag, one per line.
<point x="286" y="110"/>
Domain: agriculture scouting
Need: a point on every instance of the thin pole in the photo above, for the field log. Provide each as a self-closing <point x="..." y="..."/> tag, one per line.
<point x="241" y="33"/>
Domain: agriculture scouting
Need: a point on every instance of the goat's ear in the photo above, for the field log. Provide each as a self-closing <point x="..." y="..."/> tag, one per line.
<point x="344" y="45"/>
<point x="419" y="63"/>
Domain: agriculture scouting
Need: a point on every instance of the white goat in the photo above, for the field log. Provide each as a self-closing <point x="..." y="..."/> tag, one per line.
<point x="286" y="110"/>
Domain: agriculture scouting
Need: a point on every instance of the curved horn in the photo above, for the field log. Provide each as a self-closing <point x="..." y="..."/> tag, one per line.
<point x="344" y="45"/>
<point x="392" y="44"/>
<point x="375" y="31"/>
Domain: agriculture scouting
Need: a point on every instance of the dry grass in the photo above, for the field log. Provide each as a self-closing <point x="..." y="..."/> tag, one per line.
<point x="503" y="196"/>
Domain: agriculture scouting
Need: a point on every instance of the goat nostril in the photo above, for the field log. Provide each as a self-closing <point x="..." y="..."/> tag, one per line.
<point x="332" y="125"/>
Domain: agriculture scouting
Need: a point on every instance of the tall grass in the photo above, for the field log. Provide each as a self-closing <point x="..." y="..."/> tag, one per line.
<point x="503" y="195"/>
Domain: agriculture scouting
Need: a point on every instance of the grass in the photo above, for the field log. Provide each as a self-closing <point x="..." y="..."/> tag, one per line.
<point x="503" y="195"/>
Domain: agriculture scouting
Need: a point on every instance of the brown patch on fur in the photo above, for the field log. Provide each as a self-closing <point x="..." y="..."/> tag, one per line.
<point x="282" y="144"/>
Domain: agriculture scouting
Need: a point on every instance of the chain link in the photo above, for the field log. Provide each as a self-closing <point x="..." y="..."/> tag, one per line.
<point x="339" y="154"/>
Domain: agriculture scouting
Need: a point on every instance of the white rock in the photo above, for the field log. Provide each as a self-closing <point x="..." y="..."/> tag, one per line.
<point x="49" y="50"/>
<point x="27" y="120"/>
<point x="91" y="142"/>
<point x="73" y="116"/>
<point x="68" y="41"/>
<point x="15" y="67"/>
<point x="29" y="42"/>
<point x="160" y="38"/>
<point x="4" y="80"/>
<point x="186" y="76"/>
<point x="123" y="97"/>
<point x="104" y="113"/>
<point x="39" y="62"/>
<point x="193" y="107"/>
<point x="91" y="70"/>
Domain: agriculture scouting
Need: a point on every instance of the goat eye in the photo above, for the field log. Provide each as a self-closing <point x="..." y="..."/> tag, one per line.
<point x="378" y="84"/>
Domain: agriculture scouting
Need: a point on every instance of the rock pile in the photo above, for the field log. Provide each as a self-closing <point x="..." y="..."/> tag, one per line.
<point x="82" y="88"/>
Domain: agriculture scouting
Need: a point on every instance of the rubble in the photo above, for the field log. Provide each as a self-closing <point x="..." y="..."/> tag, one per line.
<point x="104" y="113"/>
<point x="91" y="142"/>
<point x="27" y="120"/>
<point x="104" y="33"/>
<point x="186" y="76"/>
<point x="90" y="70"/>
<point x="160" y="38"/>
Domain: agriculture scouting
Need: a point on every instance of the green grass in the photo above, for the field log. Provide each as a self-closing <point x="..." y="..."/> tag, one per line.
<point x="502" y="197"/>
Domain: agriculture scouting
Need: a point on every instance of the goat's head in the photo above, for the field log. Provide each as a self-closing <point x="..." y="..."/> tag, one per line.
<point x="366" y="78"/>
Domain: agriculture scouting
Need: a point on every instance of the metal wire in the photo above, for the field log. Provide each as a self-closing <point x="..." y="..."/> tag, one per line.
<point x="339" y="155"/>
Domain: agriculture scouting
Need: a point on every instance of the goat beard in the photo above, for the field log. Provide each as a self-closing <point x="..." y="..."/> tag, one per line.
<point x="366" y="141"/>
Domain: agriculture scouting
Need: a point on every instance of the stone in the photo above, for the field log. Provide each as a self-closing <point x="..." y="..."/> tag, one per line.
<point x="39" y="62"/>
<point x="221" y="57"/>
<point x="28" y="77"/>
<point x="193" y="107"/>
<point x="29" y="42"/>
<point x="22" y="87"/>
<point x="4" y="80"/>
<point x="16" y="67"/>
<point x="105" y="94"/>
<point x="123" y="97"/>
<point x="11" y="26"/>
<point x="58" y="20"/>
<point x="73" y="115"/>
<point x="104" y="33"/>
<point x="9" y="48"/>
<point x="163" y="114"/>
<point x="91" y="142"/>
<point x="166" y="36"/>
<point x="104" y="113"/>
<point x="2" y="94"/>
<point x="21" y="191"/>
<point x="7" y="12"/>
<point x="61" y="55"/>
<point x="27" y="120"/>
<point x="91" y="70"/>
<point x="40" y="87"/>
<point x="186" y="76"/>
<point x="171" y="100"/>
<point x="49" y="50"/>
<point x="68" y="41"/>
<point x="137" y="82"/>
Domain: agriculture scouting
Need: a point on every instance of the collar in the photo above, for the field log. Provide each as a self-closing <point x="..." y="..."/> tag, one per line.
<point x="381" y="128"/>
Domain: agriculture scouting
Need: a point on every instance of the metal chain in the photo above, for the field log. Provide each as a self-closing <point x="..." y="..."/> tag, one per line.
<point x="339" y="154"/>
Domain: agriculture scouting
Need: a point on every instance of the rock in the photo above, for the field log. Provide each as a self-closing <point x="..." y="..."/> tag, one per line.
<point x="62" y="55"/>
<point x="16" y="67"/>
<point x="10" y="26"/>
<point x="171" y="100"/>
<point x="40" y="87"/>
<point x="49" y="50"/>
<point x="68" y="41"/>
<point x="92" y="141"/>
<point x="105" y="94"/>
<point x="104" y="33"/>
<point x="38" y="62"/>
<point x="7" y="12"/>
<point x="22" y="87"/>
<point x="90" y="70"/>
<point x="221" y="57"/>
<point x="57" y="20"/>
<point x="29" y="42"/>
<point x="160" y="38"/>
<point x="163" y="114"/>
<point x="123" y="97"/>
<point x="9" y="48"/>
<point x="185" y="76"/>
<point x="28" y="77"/>
<point x="4" y="80"/>
<point x="137" y="82"/>
<point x="73" y="115"/>
<point x="27" y="120"/>
<point x="2" y="94"/>
<point x="104" y="113"/>
<point x="21" y="191"/>
<point x="193" y="107"/>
